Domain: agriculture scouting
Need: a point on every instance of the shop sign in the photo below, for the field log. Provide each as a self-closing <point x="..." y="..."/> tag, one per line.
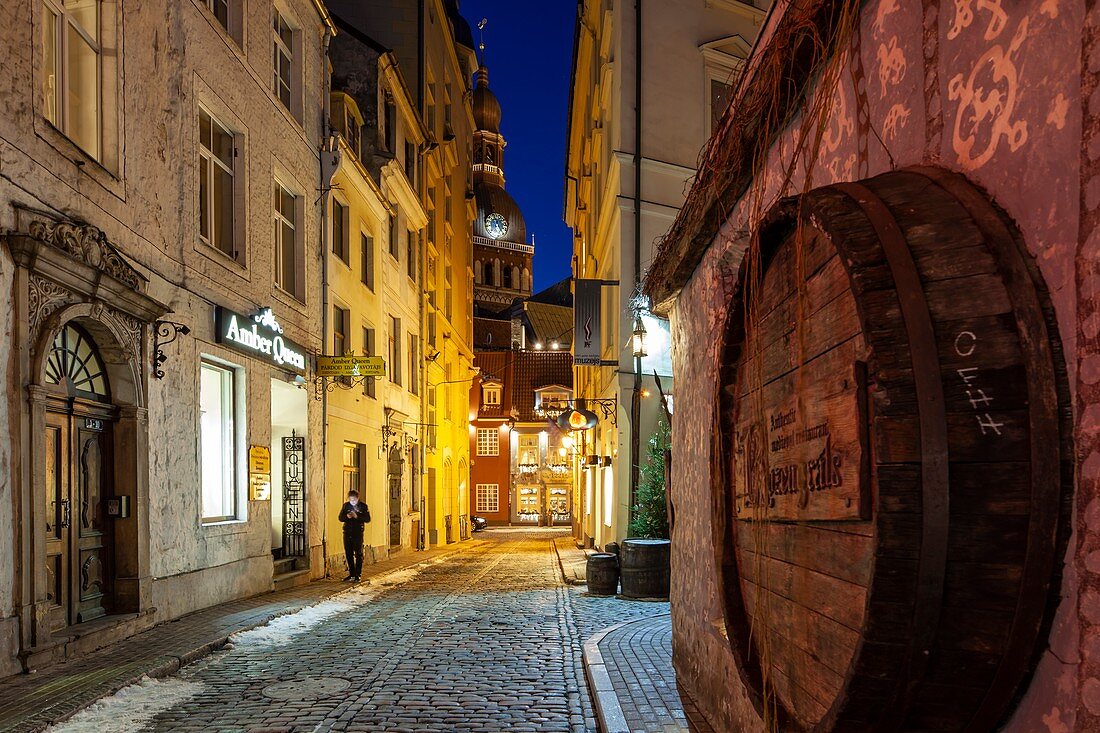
<point x="259" y="473"/>
<point x="260" y="336"/>
<point x="351" y="366"/>
<point x="586" y="321"/>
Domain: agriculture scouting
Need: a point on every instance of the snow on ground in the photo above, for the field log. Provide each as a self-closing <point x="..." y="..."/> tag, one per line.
<point x="131" y="708"/>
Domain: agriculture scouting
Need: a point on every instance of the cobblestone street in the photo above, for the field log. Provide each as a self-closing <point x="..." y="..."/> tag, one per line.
<point x="484" y="640"/>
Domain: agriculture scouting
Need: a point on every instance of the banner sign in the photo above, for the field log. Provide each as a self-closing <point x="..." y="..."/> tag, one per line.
<point x="351" y="366"/>
<point x="586" y="321"/>
<point x="259" y="336"/>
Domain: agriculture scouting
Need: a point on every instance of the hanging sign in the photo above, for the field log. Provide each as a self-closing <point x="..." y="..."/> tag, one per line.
<point x="260" y="336"/>
<point x="586" y="321"/>
<point x="351" y="366"/>
<point x="259" y="473"/>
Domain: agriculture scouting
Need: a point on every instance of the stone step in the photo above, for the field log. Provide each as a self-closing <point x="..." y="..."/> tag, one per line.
<point x="291" y="579"/>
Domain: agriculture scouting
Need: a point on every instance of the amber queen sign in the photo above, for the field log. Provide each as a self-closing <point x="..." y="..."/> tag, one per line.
<point x="259" y="336"/>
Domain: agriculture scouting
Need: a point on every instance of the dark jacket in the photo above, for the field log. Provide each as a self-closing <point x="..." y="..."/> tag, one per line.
<point x="352" y="524"/>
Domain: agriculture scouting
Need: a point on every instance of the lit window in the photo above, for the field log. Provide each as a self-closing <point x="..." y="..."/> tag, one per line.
<point x="487" y="498"/>
<point x="490" y="395"/>
<point x="529" y="450"/>
<point x="488" y="442"/>
<point x="216" y="214"/>
<point x="283" y="59"/>
<point x="218" y="442"/>
<point x="286" y="241"/>
<point x="353" y="467"/>
<point x="72" y="74"/>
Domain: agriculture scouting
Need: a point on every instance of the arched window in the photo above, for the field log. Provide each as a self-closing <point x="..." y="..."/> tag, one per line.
<point x="477" y="271"/>
<point x="517" y="283"/>
<point x="489" y="275"/>
<point x="526" y="279"/>
<point x="74" y="361"/>
<point x="507" y="273"/>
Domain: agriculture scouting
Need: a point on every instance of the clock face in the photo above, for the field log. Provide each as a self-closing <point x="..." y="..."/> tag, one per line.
<point x="496" y="226"/>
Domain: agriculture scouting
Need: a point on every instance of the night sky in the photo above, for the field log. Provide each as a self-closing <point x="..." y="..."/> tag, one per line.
<point x="529" y="52"/>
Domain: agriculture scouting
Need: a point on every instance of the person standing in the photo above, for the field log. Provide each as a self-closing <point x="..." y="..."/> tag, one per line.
<point x="354" y="515"/>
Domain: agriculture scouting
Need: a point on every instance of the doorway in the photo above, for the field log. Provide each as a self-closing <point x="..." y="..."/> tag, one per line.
<point x="79" y="420"/>
<point x="396" y="467"/>
<point x="289" y="426"/>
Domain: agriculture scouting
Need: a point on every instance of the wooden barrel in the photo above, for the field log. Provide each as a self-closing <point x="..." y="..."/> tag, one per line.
<point x="601" y="572"/>
<point x="894" y="430"/>
<point x="644" y="567"/>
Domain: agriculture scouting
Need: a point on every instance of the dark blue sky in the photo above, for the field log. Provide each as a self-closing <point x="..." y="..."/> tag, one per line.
<point x="529" y="52"/>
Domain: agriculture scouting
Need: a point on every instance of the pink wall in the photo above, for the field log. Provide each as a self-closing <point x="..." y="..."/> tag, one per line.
<point x="1007" y="92"/>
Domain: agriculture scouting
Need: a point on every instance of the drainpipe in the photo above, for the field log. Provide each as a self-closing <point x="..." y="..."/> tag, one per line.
<point x="636" y="397"/>
<point x="330" y="161"/>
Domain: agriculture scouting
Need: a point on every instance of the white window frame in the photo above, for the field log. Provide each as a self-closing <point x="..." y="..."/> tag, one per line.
<point x="490" y="395"/>
<point x="56" y="101"/>
<point x="212" y="161"/>
<point x="282" y="222"/>
<point x="488" y="441"/>
<point x="227" y="440"/>
<point x="487" y="498"/>
<point x="283" y="50"/>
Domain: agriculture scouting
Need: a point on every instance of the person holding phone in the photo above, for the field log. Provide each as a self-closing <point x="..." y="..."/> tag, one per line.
<point x="354" y="515"/>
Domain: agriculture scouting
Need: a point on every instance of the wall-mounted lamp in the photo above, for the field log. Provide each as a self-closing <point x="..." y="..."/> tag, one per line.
<point x="638" y="338"/>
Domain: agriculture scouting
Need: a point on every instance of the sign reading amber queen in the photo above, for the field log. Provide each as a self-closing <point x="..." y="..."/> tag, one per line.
<point x="804" y="460"/>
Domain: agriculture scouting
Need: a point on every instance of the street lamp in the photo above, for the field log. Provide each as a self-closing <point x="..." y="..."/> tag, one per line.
<point x="638" y="338"/>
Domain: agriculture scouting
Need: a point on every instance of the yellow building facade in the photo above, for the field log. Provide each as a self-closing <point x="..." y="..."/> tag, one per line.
<point x="448" y="59"/>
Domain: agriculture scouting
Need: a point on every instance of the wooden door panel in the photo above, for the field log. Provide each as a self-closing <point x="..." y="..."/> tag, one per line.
<point x="57" y="520"/>
<point x="93" y="558"/>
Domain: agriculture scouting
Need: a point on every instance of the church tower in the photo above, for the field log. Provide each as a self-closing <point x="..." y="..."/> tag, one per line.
<point x="502" y="255"/>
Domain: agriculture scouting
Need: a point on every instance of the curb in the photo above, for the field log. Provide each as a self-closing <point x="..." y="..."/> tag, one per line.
<point x="561" y="568"/>
<point x="172" y="664"/>
<point x="609" y="712"/>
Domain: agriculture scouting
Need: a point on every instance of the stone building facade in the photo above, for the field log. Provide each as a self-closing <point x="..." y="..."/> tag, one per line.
<point x="648" y="80"/>
<point x="154" y="338"/>
<point x="980" y="124"/>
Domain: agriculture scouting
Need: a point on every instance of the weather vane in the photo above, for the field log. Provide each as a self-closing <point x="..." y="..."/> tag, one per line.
<point x="481" y="29"/>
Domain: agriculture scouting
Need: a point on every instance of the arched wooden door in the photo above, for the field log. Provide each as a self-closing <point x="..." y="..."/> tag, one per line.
<point x="78" y="471"/>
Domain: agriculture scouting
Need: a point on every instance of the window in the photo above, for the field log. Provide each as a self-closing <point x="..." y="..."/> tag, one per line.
<point x="339" y="331"/>
<point x="719" y="100"/>
<point x="411" y="257"/>
<point x="390" y="112"/>
<point x="220" y="9"/>
<point x="366" y="260"/>
<point x="529" y="450"/>
<point x="73" y="73"/>
<point x="395" y="350"/>
<point x="283" y="59"/>
<point x="488" y="442"/>
<point x="340" y="245"/>
<point x="414" y="387"/>
<point x="487" y="498"/>
<point x="216" y="205"/>
<point x="218" y="443"/>
<point x="394" y="248"/>
<point x="286" y="241"/>
<point x="368" y="350"/>
<point x="353" y="467"/>
<point x="490" y="395"/>
<point x="448" y="292"/>
<point x="431" y="418"/>
<point x="410" y="162"/>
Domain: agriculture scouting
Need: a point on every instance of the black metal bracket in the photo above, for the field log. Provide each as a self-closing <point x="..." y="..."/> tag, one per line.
<point x="164" y="333"/>
<point x="608" y="407"/>
<point x="321" y="385"/>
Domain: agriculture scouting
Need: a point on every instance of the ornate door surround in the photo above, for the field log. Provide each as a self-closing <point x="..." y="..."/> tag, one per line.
<point x="68" y="273"/>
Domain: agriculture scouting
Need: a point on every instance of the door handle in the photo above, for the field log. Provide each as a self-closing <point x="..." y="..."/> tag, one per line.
<point x="66" y="513"/>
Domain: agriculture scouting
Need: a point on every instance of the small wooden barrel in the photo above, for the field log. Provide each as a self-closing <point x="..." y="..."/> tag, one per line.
<point x="644" y="567"/>
<point x="896" y="460"/>
<point x="602" y="574"/>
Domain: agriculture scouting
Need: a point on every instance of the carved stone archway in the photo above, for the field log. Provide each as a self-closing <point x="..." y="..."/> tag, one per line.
<point x="67" y="272"/>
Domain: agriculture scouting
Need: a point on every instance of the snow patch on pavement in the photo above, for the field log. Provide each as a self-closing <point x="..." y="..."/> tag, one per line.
<point x="131" y="708"/>
<point x="285" y="629"/>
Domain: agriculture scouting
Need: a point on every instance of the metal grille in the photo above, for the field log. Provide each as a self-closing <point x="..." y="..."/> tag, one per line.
<point x="294" y="497"/>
